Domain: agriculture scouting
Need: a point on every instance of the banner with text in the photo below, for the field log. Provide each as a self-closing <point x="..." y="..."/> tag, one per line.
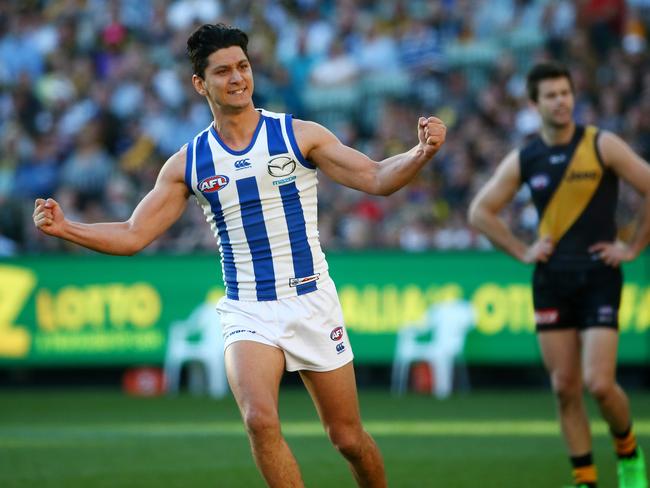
<point x="92" y="310"/>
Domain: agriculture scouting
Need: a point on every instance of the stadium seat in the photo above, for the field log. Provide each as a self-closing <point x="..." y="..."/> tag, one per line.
<point x="438" y="342"/>
<point x="198" y="342"/>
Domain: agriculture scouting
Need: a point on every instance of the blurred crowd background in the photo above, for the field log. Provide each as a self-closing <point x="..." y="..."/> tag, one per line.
<point x="95" y="95"/>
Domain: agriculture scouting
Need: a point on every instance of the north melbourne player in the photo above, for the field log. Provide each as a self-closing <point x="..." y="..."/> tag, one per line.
<point x="254" y="174"/>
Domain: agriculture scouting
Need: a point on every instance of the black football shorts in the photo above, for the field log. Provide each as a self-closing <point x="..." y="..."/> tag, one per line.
<point x="576" y="299"/>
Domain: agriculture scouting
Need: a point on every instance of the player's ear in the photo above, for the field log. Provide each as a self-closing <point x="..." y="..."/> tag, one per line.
<point x="199" y="85"/>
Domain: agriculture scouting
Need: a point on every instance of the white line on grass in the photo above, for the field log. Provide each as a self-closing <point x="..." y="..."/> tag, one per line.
<point x="91" y="434"/>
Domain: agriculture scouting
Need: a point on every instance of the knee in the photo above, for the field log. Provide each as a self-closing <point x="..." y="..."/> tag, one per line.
<point x="599" y="387"/>
<point x="567" y="388"/>
<point x="261" y="422"/>
<point x="348" y="440"/>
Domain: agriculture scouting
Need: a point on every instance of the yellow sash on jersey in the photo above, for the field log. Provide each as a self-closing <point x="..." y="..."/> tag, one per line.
<point x="575" y="191"/>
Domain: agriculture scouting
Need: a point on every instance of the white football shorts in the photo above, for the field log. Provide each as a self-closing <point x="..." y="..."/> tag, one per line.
<point x="307" y="328"/>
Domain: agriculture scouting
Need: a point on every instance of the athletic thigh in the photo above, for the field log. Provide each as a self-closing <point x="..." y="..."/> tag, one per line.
<point x="254" y="372"/>
<point x="561" y="355"/>
<point x="599" y="353"/>
<point x="335" y="395"/>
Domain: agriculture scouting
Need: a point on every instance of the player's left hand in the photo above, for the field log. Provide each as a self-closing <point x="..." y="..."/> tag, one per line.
<point x="431" y="134"/>
<point x="613" y="253"/>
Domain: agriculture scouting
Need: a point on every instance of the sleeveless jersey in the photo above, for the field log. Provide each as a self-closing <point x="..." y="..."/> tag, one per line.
<point x="262" y="207"/>
<point x="575" y="196"/>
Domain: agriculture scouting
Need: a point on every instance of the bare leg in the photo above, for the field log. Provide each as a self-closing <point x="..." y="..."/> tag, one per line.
<point x="335" y="396"/>
<point x="599" y="364"/>
<point x="254" y="373"/>
<point x="561" y="354"/>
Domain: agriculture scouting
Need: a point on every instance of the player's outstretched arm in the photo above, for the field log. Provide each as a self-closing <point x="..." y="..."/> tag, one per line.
<point x="356" y="170"/>
<point x="618" y="156"/>
<point x="487" y="204"/>
<point x="157" y="211"/>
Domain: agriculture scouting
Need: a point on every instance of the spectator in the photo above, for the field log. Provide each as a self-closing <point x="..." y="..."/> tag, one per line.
<point x="92" y="93"/>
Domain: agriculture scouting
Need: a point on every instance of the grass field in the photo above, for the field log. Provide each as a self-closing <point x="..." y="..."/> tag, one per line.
<point x="105" y="439"/>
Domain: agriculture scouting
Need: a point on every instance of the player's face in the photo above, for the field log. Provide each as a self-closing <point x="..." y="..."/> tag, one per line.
<point x="228" y="79"/>
<point x="555" y="102"/>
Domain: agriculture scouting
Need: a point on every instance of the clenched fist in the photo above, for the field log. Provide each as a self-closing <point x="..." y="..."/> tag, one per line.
<point x="48" y="216"/>
<point x="431" y="134"/>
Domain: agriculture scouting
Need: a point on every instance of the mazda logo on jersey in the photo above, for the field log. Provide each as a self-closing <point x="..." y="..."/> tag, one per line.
<point x="281" y="166"/>
<point x="213" y="183"/>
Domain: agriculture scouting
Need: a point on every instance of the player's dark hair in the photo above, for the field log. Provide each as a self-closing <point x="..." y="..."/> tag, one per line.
<point x="209" y="38"/>
<point x="545" y="71"/>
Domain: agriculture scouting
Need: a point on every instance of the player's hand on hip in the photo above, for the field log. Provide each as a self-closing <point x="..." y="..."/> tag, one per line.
<point x="431" y="134"/>
<point x="612" y="253"/>
<point x="539" y="251"/>
<point x="48" y="216"/>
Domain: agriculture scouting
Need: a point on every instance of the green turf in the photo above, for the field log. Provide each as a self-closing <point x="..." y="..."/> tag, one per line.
<point x="105" y="439"/>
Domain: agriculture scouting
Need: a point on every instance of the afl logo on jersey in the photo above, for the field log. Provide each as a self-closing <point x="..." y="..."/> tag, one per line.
<point x="281" y="166"/>
<point x="539" y="181"/>
<point x="213" y="183"/>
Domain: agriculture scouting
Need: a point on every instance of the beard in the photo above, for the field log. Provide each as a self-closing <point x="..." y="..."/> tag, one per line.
<point x="558" y="124"/>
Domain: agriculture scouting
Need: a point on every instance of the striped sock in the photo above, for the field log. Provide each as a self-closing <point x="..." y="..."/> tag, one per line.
<point x="584" y="471"/>
<point x="625" y="444"/>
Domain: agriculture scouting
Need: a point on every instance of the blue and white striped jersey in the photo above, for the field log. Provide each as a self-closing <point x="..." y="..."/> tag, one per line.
<point x="261" y="204"/>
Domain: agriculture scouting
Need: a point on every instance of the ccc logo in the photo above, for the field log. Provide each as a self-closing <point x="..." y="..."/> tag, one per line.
<point x="243" y="163"/>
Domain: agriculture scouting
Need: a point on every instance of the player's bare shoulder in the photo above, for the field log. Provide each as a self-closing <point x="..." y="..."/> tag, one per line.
<point x="176" y="162"/>
<point x="310" y="135"/>
<point x="508" y="168"/>
<point x="611" y="147"/>
<point x="619" y="157"/>
<point x="174" y="167"/>
<point x="172" y="173"/>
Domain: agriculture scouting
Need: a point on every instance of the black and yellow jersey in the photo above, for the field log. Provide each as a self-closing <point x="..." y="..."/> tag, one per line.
<point x="575" y="196"/>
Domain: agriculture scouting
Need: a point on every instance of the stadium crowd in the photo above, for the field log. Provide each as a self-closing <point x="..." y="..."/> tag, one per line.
<point x="95" y="95"/>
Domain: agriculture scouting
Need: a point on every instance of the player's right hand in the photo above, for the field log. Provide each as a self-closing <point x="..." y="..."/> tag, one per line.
<point x="48" y="216"/>
<point x="540" y="250"/>
<point x="431" y="134"/>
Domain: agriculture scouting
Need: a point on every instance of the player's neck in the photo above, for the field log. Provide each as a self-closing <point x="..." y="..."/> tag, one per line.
<point x="557" y="135"/>
<point x="236" y="129"/>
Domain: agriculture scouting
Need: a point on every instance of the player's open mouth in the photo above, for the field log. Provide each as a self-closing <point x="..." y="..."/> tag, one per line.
<point x="237" y="92"/>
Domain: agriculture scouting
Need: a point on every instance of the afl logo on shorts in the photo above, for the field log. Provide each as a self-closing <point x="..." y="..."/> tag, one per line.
<point x="337" y="334"/>
<point x="213" y="183"/>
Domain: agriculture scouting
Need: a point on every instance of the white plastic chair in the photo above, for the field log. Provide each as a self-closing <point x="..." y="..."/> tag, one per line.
<point x="198" y="341"/>
<point x="448" y="324"/>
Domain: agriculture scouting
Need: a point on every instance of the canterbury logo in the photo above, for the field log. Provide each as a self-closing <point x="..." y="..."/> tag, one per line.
<point x="281" y="166"/>
<point x="242" y="164"/>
